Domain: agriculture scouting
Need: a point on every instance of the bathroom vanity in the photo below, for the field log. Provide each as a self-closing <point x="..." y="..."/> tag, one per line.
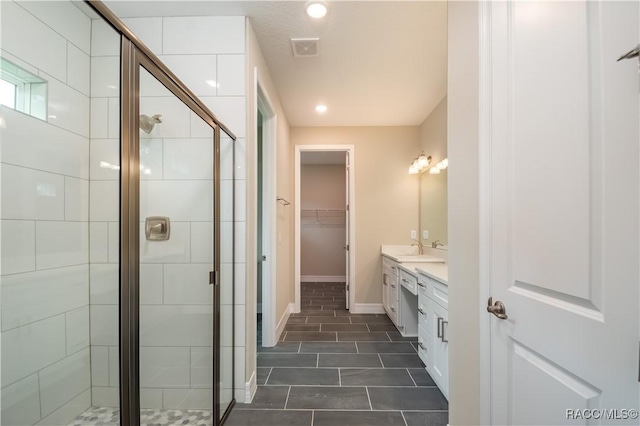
<point x="415" y="297"/>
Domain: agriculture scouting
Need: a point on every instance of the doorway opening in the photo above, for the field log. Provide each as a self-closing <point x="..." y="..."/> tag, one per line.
<point x="324" y="226"/>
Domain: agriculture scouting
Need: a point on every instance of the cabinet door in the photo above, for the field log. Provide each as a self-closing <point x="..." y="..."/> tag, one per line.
<point x="385" y="290"/>
<point x="440" y="354"/>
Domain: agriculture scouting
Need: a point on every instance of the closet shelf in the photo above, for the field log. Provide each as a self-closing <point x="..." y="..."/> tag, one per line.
<point x="332" y="218"/>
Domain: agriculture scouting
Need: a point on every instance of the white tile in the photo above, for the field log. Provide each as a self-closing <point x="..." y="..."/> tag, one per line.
<point x="226" y="242"/>
<point x="239" y="362"/>
<point x="164" y="367"/>
<point x="231" y="75"/>
<point x="33" y="41"/>
<point x="79" y="70"/>
<point x="25" y="350"/>
<point x="176" y="325"/>
<point x="76" y="199"/>
<point x="226" y="368"/>
<point x="240" y="159"/>
<point x="188" y="159"/>
<point x="240" y="198"/>
<point x="201" y="368"/>
<point x="114" y="366"/>
<point x="184" y="200"/>
<point x="98" y="242"/>
<point x="105" y="41"/>
<point x="226" y="200"/>
<point x="59" y="151"/>
<point x="33" y="296"/>
<point x="176" y="121"/>
<point x="31" y="194"/>
<point x="240" y="242"/>
<point x="105" y="76"/>
<point x="187" y="284"/>
<point x="77" y="330"/>
<point x="105" y="158"/>
<point x="188" y="399"/>
<point x="230" y="284"/>
<point x="149" y="30"/>
<point x="68" y="412"/>
<point x="150" y="86"/>
<point x="197" y="72"/>
<point x="211" y="34"/>
<point x="65" y="19"/>
<point x="226" y="330"/>
<point x="104" y="201"/>
<point x="151" y="398"/>
<point x="226" y="157"/>
<point x="105" y="397"/>
<point x="151" y="154"/>
<point x="240" y="284"/>
<point x="177" y="249"/>
<point x="231" y="110"/>
<point x="18" y="246"/>
<point x="99" y="365"/>
<point x="61" y="244"/>
<point x="114" y="242"/>
<point x="201" y="242"/>
<point x="103" y="284"/>
<point x="64" y="380"/>
<point x="151" y="283"/>
<point x="199" y="127"/>
<point x="21" y="402"/>
<point x="99" y="118"/>
<point x="104" y="325"/>
<point x="113" y="123"/>
<point x="67" y="108"/>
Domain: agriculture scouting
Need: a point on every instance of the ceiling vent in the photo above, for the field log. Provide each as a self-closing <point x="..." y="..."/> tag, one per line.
<point x="304" y="47"/>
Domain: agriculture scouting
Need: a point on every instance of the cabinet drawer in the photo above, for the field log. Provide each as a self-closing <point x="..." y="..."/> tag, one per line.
<point x="423" y="346"/>
<point x="423" y="311"/>
<point x="439" y="293"/>
<point x="408" y="281"/>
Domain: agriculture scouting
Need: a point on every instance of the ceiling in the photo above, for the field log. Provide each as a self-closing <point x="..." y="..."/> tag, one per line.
<point x="380" y="63"/>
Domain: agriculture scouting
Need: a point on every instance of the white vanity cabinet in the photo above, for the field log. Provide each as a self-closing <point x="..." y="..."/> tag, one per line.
<point x="433" y="322"/>
<point x="390" y="289"/>
<point x="399" y="295"/>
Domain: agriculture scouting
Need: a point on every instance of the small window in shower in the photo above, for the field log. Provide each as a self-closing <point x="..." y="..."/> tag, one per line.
<point x="22" y="90"/>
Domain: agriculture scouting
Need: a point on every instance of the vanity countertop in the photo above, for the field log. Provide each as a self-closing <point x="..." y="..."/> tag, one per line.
<point x="437" y="271"/>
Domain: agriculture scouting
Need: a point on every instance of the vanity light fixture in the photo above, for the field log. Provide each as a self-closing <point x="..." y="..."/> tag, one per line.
<point x="316" y="8"/>
<point x="419" y="164"/>
<point x="434" y="171"/>
<point x="443" y="164"/>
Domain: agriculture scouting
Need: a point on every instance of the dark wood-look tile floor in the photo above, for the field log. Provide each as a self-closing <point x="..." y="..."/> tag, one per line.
<point x="335" y="368"/>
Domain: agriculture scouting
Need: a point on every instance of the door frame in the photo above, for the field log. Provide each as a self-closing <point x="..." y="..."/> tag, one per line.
<point x="269" y="176"/>
<point x="299" y="149"/>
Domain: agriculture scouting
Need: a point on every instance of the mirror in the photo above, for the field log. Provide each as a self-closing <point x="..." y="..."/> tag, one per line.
<point x="433" y="208"/>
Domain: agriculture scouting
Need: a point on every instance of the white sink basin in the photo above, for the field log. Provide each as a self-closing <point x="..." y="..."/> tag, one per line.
<point x="419" y="258"/>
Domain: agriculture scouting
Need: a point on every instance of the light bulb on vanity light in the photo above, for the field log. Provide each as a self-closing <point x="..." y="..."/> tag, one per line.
<point x="443" y="164"/>
<point x="434" y="171"/>
<point x="423" y="161"/>
<point x="316" y="8"/>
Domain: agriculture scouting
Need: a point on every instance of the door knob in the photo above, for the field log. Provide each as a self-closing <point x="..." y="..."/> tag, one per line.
<point x="498" y="309"/>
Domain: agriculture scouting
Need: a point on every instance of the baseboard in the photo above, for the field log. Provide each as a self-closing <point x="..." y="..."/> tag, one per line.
<point x="323" y="279"/>
<point x="367" y="308"/>
<point x="283" y="320"/>
<point x="250" y="388"/>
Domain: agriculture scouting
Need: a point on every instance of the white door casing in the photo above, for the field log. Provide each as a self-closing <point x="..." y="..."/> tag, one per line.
<point x="347" y="182"/>
<point x="560" y="218"/>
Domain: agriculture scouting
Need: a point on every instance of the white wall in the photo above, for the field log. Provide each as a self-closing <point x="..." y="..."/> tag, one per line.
<point x="45" y="212"/>
<point x="463" y="191"/>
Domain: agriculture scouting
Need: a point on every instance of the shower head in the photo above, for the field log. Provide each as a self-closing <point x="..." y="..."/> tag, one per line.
<point x="148" y="123"/>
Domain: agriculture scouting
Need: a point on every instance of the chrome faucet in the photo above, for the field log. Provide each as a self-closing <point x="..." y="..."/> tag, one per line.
<point x="420" y="247"/>
<point x="436" y="243"/>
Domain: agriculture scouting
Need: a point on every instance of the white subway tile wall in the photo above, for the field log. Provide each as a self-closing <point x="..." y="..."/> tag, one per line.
<point x="46" y="374"/>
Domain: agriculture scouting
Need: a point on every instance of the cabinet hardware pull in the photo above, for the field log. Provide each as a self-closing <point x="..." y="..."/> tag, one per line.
<point x="443" y="338"/>
<point x="393" y="309"/>
<point x="405" y="281"/>
<point x="440" y="327"/>
<point x="421" y="311"/>
<point x="421" y="285"/>
<point x="422" y="346"/>
<point x="393" y="286"/>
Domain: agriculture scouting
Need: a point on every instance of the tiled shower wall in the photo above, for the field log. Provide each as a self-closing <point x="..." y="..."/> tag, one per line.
<point x="45" y="236"/>
<point x="208" y="55"/>
<point x="174" y="363"/>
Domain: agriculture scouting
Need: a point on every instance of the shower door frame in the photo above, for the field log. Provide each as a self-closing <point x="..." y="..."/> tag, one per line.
<point x="133" y="55"/>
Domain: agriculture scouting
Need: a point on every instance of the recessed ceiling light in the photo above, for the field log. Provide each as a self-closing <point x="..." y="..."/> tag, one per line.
<point x="321" y="108"/>
<point x="316" y="8"/>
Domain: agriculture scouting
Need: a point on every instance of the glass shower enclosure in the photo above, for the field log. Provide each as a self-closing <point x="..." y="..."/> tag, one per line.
<point x="116" y="265"/>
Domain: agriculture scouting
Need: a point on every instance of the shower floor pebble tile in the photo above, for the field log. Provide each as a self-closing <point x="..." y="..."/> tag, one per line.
<point x="98" y="416"/>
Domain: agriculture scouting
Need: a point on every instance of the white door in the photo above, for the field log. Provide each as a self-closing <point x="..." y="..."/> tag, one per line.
<point x="347" y="224"/>
<point x="562" y="216"/>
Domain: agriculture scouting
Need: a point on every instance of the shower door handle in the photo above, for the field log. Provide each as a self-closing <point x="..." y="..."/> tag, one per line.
<point x="213" y="278"/>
